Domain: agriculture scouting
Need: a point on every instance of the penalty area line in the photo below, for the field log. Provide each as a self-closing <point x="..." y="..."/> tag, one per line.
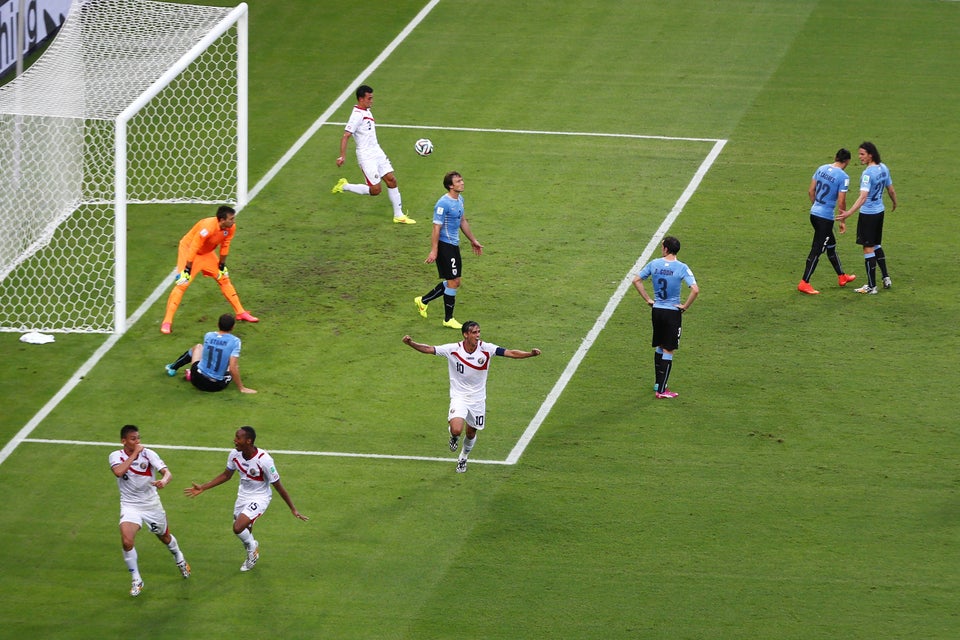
<point x="612" y="305"/>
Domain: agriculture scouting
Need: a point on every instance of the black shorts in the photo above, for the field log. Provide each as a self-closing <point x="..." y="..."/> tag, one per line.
<point x="666" y="328"/>
<point x="823" y="235"/>
<point x="204" y="383"/>
<point x="870" y="229"/>
<point x="449" y="264"/>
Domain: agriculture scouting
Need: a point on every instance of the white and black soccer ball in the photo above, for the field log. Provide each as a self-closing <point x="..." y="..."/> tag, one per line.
<point x="423" y="146"/>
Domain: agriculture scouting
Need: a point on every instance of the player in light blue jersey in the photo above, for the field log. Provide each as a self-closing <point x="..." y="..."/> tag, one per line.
<point x="666" y="274"/>
<point x="828" y="190"/>
<point x="874" y="181"/>
<point x="448" y="222"/>
<point x="215" y="363"/>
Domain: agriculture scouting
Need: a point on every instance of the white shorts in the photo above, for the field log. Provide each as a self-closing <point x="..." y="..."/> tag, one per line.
<point x="155" y="520"/>
<point x="472" y="412"/>
<point x="253" y="509"/>
<point x="375" y="165"/>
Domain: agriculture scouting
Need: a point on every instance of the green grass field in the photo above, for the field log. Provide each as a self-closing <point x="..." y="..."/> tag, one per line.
<point x="803" y="485"/>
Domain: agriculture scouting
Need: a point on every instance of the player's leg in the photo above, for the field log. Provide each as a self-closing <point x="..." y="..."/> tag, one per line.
<point x="170" y="541"/>
<point x="185" y="358"/>
<point x="474" y="423"/>
<point x="245" y="514"/>
<point x="129" y="525"/>
<point x="176" y="295"/>
<point x="866" y="232"/>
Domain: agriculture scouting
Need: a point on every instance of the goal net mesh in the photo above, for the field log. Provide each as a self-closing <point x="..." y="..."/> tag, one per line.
<point x="58" y="133"/>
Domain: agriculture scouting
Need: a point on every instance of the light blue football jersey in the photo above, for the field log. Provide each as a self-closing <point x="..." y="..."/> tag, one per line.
<point x="875" y="179"/>
<point x="218" y="348"/>
<point x="448" y="213"/>
<point x="831" y="181"/>
<point x="666" y="276"/>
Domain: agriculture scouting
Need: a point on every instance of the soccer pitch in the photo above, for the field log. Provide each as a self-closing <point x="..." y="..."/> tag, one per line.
<point x="803" y="485"/>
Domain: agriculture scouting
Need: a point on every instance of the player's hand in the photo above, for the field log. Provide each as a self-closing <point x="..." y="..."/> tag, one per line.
<point x="193" y="491"/>
<point x="843" y="227"/>
<point x="431" y="257"/>
<point x="247" y="390"/>
<point x="477" y="248"/>
<point x="407" y="340"/>
<point x="300" y="516"/>
<point x="535" y="352"/>
<point x="182" y="278"/>
<point x="340" y="161"/>
<point x="222" y="272"/>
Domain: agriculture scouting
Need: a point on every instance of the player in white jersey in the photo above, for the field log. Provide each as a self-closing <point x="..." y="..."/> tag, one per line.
<point x="136" y="469"/>
<point x="372" y="160"/>
<point x="257" y="473"/>
<point x="468" y="363"/>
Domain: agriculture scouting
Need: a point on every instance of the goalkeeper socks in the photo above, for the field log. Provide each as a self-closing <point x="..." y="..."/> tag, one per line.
<point x="230" y="293"/>
<point x="183" y="359"/>
<point x="435" y="293"/>
<point x="394" y="195"/>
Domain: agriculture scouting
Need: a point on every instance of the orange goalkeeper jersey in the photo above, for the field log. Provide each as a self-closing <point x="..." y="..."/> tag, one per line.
<point x="204" y="237"/>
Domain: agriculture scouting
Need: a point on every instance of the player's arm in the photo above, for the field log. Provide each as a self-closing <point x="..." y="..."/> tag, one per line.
<point x="465" y="227"/>
<point x="164" y="479"/>
<point x="516" y="353"/>
<point x="422" y="348"/>
<point x="434" y="244"/>
<point x="812" y="190"/>
<point x="694" y="292"/>
<point x="843" y="215"/>
<point x="196" y="489"/>
<point x="343" y="147"/>
<point x="286" y="498"/>
<point x="123" y="467"/>
<point x="234" y="367"/>
<point x="638" y="285"/>
<point x="893" y="197"/>
<point x="841" y="205"/>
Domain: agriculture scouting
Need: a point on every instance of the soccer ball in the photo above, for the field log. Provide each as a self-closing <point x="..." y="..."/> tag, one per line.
<point x="423" y="146"/>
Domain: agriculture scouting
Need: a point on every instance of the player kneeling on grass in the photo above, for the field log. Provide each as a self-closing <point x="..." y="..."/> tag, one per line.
<point x="136" y="469"/>
<point x="214" y="363"/>
<point x="257" y="473"/>
<point x="468" y="363"/>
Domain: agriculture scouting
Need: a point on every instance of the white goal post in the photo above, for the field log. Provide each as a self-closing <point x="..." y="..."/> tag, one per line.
<point x="134" y="102"/>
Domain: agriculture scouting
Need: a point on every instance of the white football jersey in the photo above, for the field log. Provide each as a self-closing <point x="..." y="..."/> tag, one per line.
<point x="136" y="485"/>
<point x="468" y="371"/>
<point x="256" y="474"/>
<point x="364" y="130"/>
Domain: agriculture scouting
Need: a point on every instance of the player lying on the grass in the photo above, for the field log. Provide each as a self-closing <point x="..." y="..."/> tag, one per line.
<point x="257" y="473"/>
<point x="136" y="469"/>
<point x="468" y="362"/>
<point x="214" y="363"/>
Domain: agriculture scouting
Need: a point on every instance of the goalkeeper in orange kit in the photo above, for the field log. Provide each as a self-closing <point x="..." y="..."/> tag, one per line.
<point x="196" y="255"/>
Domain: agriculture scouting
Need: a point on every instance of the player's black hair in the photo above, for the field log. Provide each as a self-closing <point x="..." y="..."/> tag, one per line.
<point x="842" y="155"/>
<point x="363" y="90"/>
<point x="468" y="325"/>
<point x="251" y="433"/>
<point x="224" y="211"/>
<point x="127" y="429"/>
<point x="226" y="322"/>
<point x="448" y="179"/>
<point x="871" y="148"/>
<point x="672" y="245"/>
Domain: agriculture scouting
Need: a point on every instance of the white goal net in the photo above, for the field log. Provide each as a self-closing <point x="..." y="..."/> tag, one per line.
<point x="133" y="102"/>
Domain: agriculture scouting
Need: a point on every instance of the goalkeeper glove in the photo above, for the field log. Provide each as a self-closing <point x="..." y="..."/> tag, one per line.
<point x="222" y="273"/>
<point x="183" y="277"/>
